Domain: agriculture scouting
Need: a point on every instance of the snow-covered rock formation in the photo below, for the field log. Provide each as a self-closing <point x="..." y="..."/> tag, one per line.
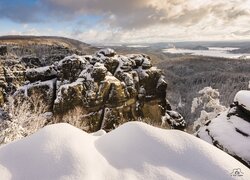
<point x="230" y="131"/>
<point x="107" y="89"/>
<point x="132" y="151"/>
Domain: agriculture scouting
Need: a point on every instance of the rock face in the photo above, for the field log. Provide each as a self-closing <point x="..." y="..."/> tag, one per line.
<point x="230" y="131"/>
<point x="3" y="50"/>
<point x="108" y="89"/>
<point x="32" y="59"/>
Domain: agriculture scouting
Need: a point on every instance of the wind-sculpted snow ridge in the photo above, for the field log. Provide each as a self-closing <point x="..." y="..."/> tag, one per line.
<point x="230" y="131"/>
<point x="133" y="151"/>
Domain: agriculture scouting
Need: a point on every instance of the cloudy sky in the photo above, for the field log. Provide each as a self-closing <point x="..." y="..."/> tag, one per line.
<point x="128" y="21"/>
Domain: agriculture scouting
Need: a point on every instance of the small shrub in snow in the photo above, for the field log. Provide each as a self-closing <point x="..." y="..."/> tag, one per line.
<point x="25" y="118"/>
<point x="74" y="117"/>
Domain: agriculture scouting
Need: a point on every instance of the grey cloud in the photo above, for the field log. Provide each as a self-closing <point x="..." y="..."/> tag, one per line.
<point x="129" y="14"/>
<point x="229" y="13"/>
<point x="140" y="13"/>
<point x="242" y="33"/>
<point x="20" y="13"/>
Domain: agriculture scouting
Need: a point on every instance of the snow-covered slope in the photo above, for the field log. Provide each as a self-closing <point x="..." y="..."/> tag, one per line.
<point x="132" y="151"/>
<point x="229" y="134"/>
<point x="230" y="131"/>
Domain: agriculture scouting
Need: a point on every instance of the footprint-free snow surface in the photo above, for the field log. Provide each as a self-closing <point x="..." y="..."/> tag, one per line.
<point x="132" y="151"/>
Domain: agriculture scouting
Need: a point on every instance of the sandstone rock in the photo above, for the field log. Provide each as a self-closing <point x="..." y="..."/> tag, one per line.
<point x="174" y="119"/>
<point x="112" y="117"/>
<point x="107" y="89"/>
<point x="51" y="59"/>
<point x="99" y="72"/>
<point x="106" y="52"/>
<point x="38" y="91"/>
<point x="41" y="73"/>
<point x="146" y="64"/>
<point x="137" y="58"/>
<point x="149" y="80"/>
<point x="2" y="98"/>
<point x="3" y="50"/>
<point x="111" y="64"/>
<point x="3" y="82"/>
<point x="125" y="64"/>
<point x="70" y="68"/>
<point x="31" y="61"/>
<point x="68" y="97"/>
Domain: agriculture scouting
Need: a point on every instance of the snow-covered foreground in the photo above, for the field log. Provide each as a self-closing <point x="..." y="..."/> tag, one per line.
<point x="224" y="131"/>
<point x="230" y="130"/>
<point x="132" y="151"/>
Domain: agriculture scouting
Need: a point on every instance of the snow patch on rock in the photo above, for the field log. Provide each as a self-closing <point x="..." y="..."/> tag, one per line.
<point x="243" y="99"/>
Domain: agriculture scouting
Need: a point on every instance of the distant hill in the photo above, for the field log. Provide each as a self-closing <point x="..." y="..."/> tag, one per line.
<point x="200" y="48"/>
<point x="243" y="50"/>
<point x="47" y="40"/>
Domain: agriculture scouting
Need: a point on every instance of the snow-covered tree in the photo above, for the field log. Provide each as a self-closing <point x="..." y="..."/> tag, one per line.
<point x="208" y="104"/>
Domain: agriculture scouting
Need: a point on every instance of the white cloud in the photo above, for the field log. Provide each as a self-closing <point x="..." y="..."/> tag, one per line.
<point x="147" y="20"/>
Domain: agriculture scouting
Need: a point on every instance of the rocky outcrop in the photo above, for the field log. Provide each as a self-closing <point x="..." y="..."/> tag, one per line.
<point x="41" y="74"/>
<point x="109" y="89"/>
<point x="3" y="50"/>
<point x="70" y="68"/>
<point x="230" y="130"/>
<point x="31" y="61"/>
<point x="43" y="91"/>
<point x="12" y="76"/>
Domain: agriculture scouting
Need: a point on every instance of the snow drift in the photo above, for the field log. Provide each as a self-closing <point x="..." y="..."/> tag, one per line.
<point x="132" y="151"/>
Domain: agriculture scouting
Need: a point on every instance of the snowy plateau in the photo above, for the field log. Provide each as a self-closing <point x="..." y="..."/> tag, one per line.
<point x="133" y="151"/>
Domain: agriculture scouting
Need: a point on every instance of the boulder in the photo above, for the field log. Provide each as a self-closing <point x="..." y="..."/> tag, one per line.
<point x="137" y="58"/>
<point x="70" y="68"/>
<point x="106" y="52"/>
<point x="99" y="72"/>
<point x="111" y="64"/>
<point x="41" y="73"/>
<point x="174" y="120"/>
